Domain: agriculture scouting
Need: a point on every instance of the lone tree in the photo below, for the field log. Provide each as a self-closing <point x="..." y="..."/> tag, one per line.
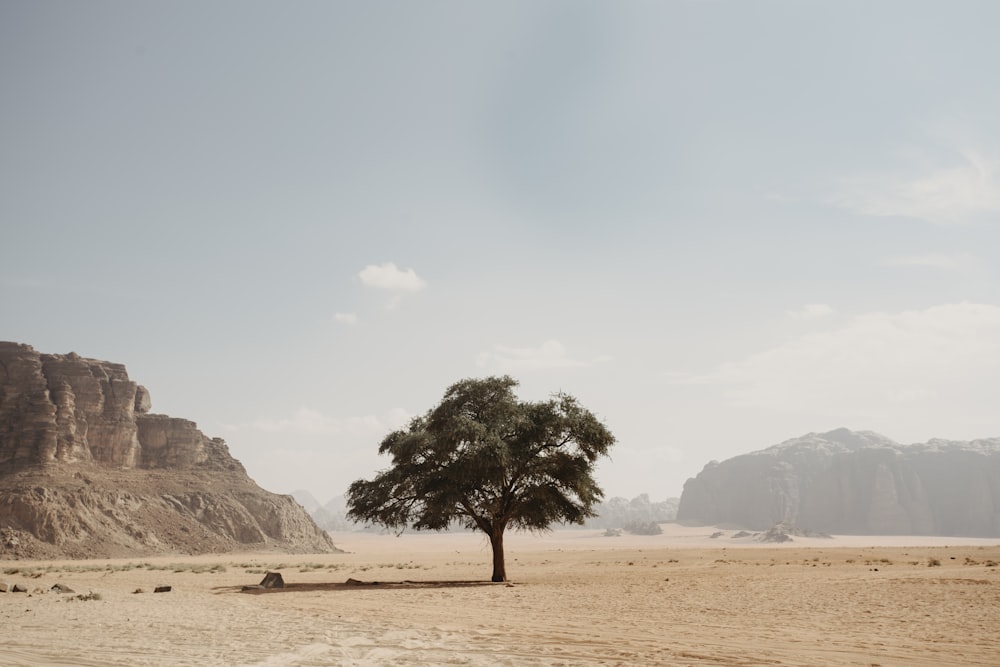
<point x="488" y="461"/>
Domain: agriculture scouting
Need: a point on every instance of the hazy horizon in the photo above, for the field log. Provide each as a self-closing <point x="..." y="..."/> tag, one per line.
<point x="719" y="225"/>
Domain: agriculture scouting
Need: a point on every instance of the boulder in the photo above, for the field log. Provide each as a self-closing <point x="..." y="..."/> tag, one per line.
<point x="272" y="580"/>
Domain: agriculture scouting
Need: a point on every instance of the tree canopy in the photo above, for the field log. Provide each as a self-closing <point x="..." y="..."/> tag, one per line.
<point x="488" y="461"/>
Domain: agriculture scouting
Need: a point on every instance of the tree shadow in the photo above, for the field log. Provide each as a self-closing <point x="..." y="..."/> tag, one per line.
<point x="355" y="585"/>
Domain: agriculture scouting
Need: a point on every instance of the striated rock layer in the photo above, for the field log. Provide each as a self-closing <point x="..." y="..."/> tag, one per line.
<point x="87" y="471"/>
<point x="854" y="483"/>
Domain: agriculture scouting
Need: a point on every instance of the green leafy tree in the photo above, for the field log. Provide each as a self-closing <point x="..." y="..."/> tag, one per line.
<point x="490" y="462"/>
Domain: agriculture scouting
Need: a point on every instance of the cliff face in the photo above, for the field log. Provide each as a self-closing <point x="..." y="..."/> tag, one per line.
<point x="854" y="483"/>
<point x="61" y="408"/>
<point x="86" y="471"/>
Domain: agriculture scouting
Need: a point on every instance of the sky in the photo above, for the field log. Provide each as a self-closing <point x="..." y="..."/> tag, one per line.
<point x="719" y="225"/>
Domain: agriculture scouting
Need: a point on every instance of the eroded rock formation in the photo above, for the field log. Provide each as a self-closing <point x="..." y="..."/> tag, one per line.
<point x="87" y="471"/>
<point x="854" y="483"/>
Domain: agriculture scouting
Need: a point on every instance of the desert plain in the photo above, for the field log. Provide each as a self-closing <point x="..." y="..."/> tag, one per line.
<point x="575" y="597"/>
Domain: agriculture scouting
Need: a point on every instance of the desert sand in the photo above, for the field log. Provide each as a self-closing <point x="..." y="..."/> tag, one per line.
<point x="575" y="598"/>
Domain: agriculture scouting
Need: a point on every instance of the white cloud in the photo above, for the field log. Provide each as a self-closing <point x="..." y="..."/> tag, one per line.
<point x="389" y="277"/>
<point x="811" y="311"/>
<point x="914" y="366"/>
<point x="951" y="194"/>
<point x="549" y="355"/>
<point x="306" y="421"/>
<point x="940" y="261"/>
<point x="346" y="318"/>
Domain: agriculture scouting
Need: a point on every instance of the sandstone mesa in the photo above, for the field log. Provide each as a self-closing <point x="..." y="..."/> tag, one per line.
<point x="854" y="483"/>
<point x="87" y="471"/>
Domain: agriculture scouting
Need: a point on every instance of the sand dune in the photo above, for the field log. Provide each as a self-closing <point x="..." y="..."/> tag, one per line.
<point x="576" y="598"/>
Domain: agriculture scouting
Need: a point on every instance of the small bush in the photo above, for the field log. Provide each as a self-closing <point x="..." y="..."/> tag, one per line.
<point x="86" y="597"/>
<point x="933" y="562"/>
<point x="307" y="567"/>
<point x="643" y="528"/>
<point x="202" y="569"/>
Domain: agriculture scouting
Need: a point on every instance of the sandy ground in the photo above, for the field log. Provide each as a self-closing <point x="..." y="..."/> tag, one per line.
<point x="575" y="598"/>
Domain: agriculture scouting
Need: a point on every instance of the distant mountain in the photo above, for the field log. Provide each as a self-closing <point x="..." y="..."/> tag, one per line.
<point x="619" y="512"/>
<point x="613" y="513"/>
<point x="333" y="516"/>
<point x="306" y="499"/>
<point x="850" y="482"/>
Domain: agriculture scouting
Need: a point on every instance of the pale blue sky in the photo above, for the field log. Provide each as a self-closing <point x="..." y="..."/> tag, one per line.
<point x="718" y="224"/>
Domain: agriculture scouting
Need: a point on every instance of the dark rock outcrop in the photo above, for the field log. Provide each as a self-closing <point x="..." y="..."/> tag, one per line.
<point x="273" y="580"/>
<point x="854" y="483"/>
<point x="87" y="471"/>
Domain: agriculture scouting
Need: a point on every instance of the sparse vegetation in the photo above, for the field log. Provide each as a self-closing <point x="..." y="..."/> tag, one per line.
<point x="644" y="528"/>
<point x="86" y="597"/>
<point x="878" y="561"/>
<point x="194" y="568"/>
<point x="404" y="566"/>
<point x="309" y="567"/>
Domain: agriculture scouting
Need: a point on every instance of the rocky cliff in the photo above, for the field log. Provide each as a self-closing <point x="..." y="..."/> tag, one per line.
<point x="854" y="483"/>
<point x="87" y="471"/>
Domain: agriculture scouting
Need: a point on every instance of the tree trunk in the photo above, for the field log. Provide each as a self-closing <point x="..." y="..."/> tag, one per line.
<point x="499" y="569"/>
